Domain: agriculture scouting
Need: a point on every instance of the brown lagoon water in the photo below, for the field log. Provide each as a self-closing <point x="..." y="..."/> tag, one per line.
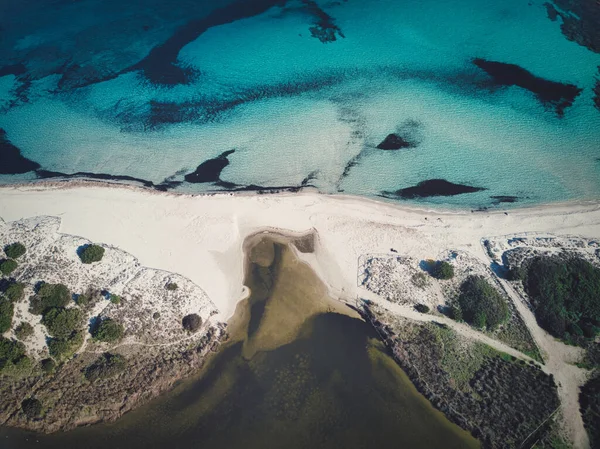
<point x="299" y="371"/>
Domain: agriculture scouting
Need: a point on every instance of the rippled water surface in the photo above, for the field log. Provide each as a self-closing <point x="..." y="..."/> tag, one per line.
<point x="302" y="92"/>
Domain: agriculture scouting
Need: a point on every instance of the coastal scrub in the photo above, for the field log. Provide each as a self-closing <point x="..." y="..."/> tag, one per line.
<point x="91" y="253"/>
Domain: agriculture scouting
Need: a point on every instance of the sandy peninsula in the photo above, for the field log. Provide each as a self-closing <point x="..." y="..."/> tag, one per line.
<point x="200" y="237"/>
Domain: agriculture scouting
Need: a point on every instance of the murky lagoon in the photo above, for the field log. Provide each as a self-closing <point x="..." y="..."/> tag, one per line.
<point x="300" y="370"/>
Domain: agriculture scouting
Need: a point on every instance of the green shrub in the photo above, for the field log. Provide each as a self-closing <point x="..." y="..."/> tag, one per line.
<point x="171" y="286"/>
<point x="564" y="294"/>
<point x="422" y="308"/>
<point x="32" y="408"/>
<point x="6" y="314"/>
<point x="115" y="299"/>
<point x="24" y="330"/>
<point x="192" y="322"/>
<point x="443" y="270"/>
<point x="48" y="296"/>
<point x="7" y="266"/>
<point x="156" y="315"/>
<point x="14" y="250"/>
<point x="481" y="304"/>
<point x="63" y="348"/>
<point x="15" y="291"/>
<point x="516" y="274"/>
<point x="13" y="361"/>
<point x="91" y="254"/>
<point x="62" y="323"/>
<point x="108" y="330"/>
<point x="107" y="366"/>
<point x="456" y="313"/>
<point x="48" y="366"/>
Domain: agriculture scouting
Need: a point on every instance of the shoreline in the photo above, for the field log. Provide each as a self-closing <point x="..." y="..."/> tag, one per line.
<point x="415" y="206"/>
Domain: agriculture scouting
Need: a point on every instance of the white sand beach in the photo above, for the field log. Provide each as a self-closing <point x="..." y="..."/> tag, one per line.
<point x="200" y="237"/>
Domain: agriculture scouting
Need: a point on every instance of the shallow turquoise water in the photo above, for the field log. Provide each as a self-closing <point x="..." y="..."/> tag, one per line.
<point x="293" y="106"/>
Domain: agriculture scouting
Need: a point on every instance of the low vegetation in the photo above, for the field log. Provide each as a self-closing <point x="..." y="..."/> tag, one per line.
<point x="115" y="299"/>
<point x="192" y="322"/>
<point x="14" y="250"/>
<point x="24" y="330"/>
<point x="91" y="253"/>
<point x="419" y="279"/>
<point x="443" y="270"/>
<point x="171" y="286"/>
<point x="48" y="296"/>
<point x="7" y="266"/>
<point x="564" y="295"/>
<point x="589" y="400"/>
<point x="6" y="314"/>
<point x="481" y="305"/>
<point x="62" y="323"/>
<point x="63" y="348"/>
<point x="106" y="366"/>
<point x="108" y="331"/>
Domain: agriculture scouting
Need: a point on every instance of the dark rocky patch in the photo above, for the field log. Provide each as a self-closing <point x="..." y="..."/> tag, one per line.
<point x="209" y="170"/>
<point x="433" y="187"/>
<point x="13" y="69"/>
<point x="504" y="199"/>
<point x="551" y="11"/>
<point x="395" y="142"/>
<point x="580" y="21"/>
<point x="325" y="28"/>
<point x="159" y="67"/>
<point x="597" y="91"/>
<point x="11" y="160"/>
<point x="550" y="93"/>
<point x="47" y="174"/>
<point x="75" y="76"/>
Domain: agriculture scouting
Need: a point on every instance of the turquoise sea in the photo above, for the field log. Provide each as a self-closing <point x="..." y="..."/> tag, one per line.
<point x="496" y="98"/>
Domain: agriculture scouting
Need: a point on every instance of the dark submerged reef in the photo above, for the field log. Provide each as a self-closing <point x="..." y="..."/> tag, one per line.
<point x="497" y="199"/>
<point x="11" y="160"/>
<point x="159" y="67"/>
<point x="550" y="93"/>
<point x="597" y="91"/>
<point x="325" y="29"/>
<point x="580" y="21"/>
<point x="432" y="187"/>
<point x="210" y="170"/>
<point x="46" y="174"/>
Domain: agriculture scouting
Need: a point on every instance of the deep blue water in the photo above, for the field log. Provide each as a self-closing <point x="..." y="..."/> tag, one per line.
<point x="486" y="94"/>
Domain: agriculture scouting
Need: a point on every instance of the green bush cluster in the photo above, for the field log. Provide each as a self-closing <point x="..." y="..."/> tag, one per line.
<point x="15" y="291"/>
<point x="589" y="401"/>
<point x="48" y="366"/>
<point x="24" y="330"/>
<point x="62" y="323"/>
<point x="191" y="322"/>
<point x="13" y="361"/>
<point x="14" y="250"/>
<point x="63" y="348"/>
<point x="171" y="286"/>
<point x="108" y="330"/>
<point x="481" y="305"/>
<point x="6" y="314"/>
<point x="443" y="270"/>
<point x="48" y="296"/>
<point x="91" y="254"/>
<point x="32" y="408"/>
<point x="422" y="308"/>
<point x="106" y="366"/>
<point x="7" y="266"/>
<point x="565" y="296"/>
<point x="115" y="299"/>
